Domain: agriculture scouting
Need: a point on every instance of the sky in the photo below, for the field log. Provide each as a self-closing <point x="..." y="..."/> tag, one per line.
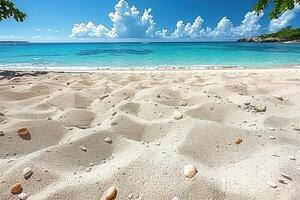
<point x="134" y="20"/>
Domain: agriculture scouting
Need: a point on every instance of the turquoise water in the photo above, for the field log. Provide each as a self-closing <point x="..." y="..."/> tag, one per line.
<point x="148" y="55"/>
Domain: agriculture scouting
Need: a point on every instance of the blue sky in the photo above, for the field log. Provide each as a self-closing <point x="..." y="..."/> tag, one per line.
<point x="89" y="20"/>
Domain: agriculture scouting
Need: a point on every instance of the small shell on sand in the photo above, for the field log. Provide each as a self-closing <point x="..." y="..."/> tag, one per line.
<point x="175" y="198"/>
<point x="238" y="141"/>
<point x="272" y="184"/>
<point x="16" y="188"/>
<point x="286" y="176"/>
<point x="24" y="133"/>
<point x="83" y="148"/>
<point x="23" y="196"/>
<point x="27" y="172"/>
<point x="190" y="171"/>
<point x="272" y="137"/>
<point x="183" y="103"/>
<point x="292" y="158"/>
<point x="108" y="140"/>
<point x="177" y="115"/>
<point x="110" y="193"/>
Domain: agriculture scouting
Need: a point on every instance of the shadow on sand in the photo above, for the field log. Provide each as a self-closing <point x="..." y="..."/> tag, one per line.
<point x="12" y="74"/>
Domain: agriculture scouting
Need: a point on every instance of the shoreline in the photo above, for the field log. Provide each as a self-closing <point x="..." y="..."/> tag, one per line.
<point x="150" y="69"/>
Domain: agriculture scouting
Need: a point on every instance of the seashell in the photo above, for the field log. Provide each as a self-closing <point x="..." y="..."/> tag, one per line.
<point x="24" y="133"/>
<point x="177" y="115"/>
<point x="23" y="196"/>
<point x="272" y="137"/>
<point x="108" y="140"/>
<point x="110" y="193"/>
<point x="190" y="171"/>
<point x="27" y="172"/>
<point x="286" y="176"/>
<point x="238" y="141"/>
<point x="292" y="158"/>
<point x="16" y="188"/>
<point x="272" y="184"/>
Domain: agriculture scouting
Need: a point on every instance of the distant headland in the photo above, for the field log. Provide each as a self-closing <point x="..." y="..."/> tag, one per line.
<point x="14" y="42"/>
<point x="286" y="35"/>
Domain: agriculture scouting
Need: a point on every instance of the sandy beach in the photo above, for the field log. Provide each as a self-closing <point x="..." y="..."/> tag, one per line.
<point x="137" y="131"/>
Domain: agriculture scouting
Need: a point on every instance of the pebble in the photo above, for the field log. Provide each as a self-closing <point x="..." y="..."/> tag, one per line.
<point x="16" y="188"/>
<point x="83" y="148"/>
<point x="110" y="193"/>
<point x="271" y="129"/>
<point x="157" y="143"/>
<point x="23" y="196"/>
<point x="190" y="171"/>
<point x="183" y="103"/>
<point x="286" y="176"/>
<point x="292" y="158"/>
<point x="177" y="115"/>
<point x="278" y="97"/>
<point x="272" y="184"/>
<point x="130" y="196"/>
<point x="103" y="97"/>
<point x="175" y="198"/>
<point x="238" y="141"/>
<point x="108" y="140"/>
<point x="114" y="123"/>
<point x="281" y="181"/>
<point x="27" y="172"/>
<point x="88" y="169"/>
<point x="272" y="137"/>
<point x="1" y="134"/>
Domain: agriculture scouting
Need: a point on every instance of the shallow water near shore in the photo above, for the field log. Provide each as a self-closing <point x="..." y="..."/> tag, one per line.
<point x="148" y="55"/>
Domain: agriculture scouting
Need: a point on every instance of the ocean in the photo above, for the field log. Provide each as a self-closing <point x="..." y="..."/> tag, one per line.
<point x="87" y="56"/>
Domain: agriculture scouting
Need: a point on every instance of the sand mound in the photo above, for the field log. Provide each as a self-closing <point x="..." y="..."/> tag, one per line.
<point x="69" y="100"/>
<point x="78" y="118"/>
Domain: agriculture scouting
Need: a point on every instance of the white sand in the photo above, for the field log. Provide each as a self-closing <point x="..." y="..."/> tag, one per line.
<point x="149" y="147"/>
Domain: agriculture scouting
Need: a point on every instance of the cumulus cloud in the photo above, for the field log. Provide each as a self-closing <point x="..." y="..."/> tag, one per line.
<point x="284" y="20"/>
<point x="248" y="27"/>
<point x="129" y="22"/>
<point x="89" y="30"/>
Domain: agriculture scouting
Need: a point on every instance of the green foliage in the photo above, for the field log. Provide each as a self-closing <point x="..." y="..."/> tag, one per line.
<point x="284" y="34"/>
<point x="9" y="10"/>
<point x="279" y="6"/>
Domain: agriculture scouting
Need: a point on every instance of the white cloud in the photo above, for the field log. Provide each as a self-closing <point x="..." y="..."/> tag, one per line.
<point x="284" y="20"/>
<point x="189" y="30"/>
<point x="37" y="29"/>
<point x="127" y="23"/>
<point x="89" y="30"/>
<point x="248" y="27"/>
